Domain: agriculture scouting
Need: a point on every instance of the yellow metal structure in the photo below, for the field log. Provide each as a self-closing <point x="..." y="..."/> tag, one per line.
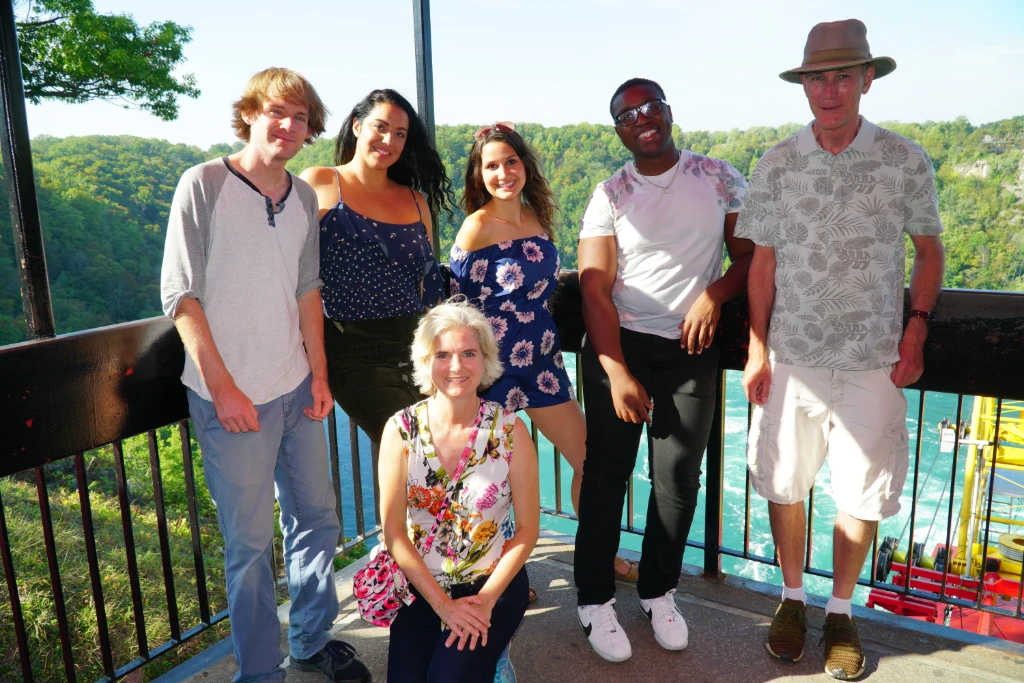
<point x="1007" y="457"/>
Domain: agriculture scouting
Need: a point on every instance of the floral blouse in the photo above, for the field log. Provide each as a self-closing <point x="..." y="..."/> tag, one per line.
<point x="476" y="528"/>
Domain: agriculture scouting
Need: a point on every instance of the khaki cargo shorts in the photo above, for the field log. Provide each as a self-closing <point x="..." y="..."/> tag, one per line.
<point x="857" y="419"/>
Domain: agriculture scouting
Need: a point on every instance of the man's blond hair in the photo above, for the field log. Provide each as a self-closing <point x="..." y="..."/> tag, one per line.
<point x="288" y="85"/>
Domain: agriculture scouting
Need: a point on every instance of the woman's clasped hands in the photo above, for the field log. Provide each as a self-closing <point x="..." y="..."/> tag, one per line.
<point x="468" y="618"/>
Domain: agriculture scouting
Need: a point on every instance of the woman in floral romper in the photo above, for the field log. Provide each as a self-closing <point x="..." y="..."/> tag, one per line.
<point x="477" y="458"/>
<point x="504" y="261"/>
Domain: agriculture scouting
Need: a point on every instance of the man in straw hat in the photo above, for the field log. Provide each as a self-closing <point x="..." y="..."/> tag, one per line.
<point x="829" y="355"/>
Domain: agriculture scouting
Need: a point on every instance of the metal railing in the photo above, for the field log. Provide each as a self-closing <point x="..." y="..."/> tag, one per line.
<point x="977" y="344"/>
<point x="180" y="632"/>
<point x="69" y="395"/>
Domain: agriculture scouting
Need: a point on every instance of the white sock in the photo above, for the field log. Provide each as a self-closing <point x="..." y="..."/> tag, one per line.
<point x="838" y="606"/>
<point x="797" y="593"/>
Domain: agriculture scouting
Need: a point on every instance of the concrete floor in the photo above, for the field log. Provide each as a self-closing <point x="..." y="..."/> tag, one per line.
<point x="727" y="620"/>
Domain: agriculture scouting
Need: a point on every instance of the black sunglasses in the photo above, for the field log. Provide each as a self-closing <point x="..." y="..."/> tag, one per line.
<point x="648" y="109"/>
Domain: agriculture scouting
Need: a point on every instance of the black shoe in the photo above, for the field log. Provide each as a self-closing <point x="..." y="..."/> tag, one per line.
<point x="338" y="662"/>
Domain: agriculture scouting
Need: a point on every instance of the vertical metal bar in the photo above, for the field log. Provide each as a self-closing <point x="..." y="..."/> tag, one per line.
<point x="335" y="456"/>
<point x="810" y="530"/>
<point x="913" y="500"/>
<point x="579" y="378"/>
<point x="988" y="511"/>
<point x="746" y="489"/>
<point x="16" y="152"/>
<point x="713" y="495"/>
<point x="129" y="549"/>
<point x="558" y="480"/>
<point x="193" y="520"/>
<point x="1020" y="595"/>
<point x="629" y="493"/>
<point x="165" y="543"/>
<point x="357" y="477"/>
<point x="874" y="553"/>
<point x="94" y="566"/>
<point x="374" y="461"/>
<point x="12" y="591"/>
<point x="425" y="81"/>
<point x="424" y="64"/>
<point x="58" y="592"/>
<point x="952" y="489"/>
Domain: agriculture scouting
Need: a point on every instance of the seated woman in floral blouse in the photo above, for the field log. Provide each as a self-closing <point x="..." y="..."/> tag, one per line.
<point x="468" y="573"/>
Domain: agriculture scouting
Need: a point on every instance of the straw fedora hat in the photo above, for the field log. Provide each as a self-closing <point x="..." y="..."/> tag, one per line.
<point x="838" y="45"/>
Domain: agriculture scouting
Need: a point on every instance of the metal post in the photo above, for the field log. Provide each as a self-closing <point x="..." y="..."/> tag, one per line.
<point x="715" y="485"/>
<point x="424" y="64"/>
<point x="425" y="83"/>
<point x="21" y="189"/>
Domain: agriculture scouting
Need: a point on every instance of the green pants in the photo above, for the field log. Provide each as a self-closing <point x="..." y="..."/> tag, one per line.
<point x="369" y="369"/>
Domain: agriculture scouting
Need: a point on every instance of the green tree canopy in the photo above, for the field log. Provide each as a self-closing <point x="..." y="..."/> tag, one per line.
<point x="72" y="54"/>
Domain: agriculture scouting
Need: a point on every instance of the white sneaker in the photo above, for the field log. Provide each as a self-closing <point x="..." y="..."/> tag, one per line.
<point x="603" y="631"/>
<point x="669" y="625"/>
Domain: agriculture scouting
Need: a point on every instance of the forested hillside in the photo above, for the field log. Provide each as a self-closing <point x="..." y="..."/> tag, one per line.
<point x="104" y="202"/>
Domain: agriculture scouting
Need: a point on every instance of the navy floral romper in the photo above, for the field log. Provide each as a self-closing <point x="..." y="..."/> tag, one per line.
<point x="512" y="282"/>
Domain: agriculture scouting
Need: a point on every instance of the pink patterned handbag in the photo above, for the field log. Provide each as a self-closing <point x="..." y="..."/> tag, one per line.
<point x="380" y="588"/>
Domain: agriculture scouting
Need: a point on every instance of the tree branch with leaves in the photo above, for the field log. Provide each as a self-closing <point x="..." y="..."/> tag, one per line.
<point x="72" y="54"/>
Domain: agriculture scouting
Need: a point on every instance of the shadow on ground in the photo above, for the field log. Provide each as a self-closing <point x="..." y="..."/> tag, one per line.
<point x="728" y="621"/>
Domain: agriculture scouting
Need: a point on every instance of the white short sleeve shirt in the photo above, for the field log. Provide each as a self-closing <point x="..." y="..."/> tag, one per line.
<point x="669" y="234"/>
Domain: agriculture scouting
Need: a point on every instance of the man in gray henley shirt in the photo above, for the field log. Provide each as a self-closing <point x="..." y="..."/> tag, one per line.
<point x="241" y="281"/>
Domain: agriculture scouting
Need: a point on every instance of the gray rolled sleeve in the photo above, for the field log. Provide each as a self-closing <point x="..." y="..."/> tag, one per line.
<point x="183" y="273"/>
<point x="309" y="259"/>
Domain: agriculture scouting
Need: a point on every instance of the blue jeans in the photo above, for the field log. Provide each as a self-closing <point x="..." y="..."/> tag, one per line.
<point x="286" y="459"/>
<point x="417" y="653"/>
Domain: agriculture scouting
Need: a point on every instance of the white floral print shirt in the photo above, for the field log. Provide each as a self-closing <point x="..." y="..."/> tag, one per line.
<point x="477" y="526"/>
<point x="837" y="224"/>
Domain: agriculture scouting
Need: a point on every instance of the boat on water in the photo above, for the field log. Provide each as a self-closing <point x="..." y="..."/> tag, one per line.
<point x="972" y="580"/>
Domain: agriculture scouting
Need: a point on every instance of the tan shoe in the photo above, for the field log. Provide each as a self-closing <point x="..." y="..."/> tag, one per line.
<point x="631" y="575"/>
<point x="844" y="655"/>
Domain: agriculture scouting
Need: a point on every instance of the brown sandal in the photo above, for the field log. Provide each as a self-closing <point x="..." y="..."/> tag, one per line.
<point x="630" y="575"/>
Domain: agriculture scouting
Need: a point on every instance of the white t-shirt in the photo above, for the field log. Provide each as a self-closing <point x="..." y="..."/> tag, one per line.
<point x="669" y="245"/>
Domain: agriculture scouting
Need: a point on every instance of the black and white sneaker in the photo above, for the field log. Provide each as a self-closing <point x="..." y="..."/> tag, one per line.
<point x="668" y="624"/>
<point x="337" y="660"/>
<point x="603" y="631"/>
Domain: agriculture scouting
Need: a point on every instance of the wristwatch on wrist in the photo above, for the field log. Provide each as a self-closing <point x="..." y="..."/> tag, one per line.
<point x="923" y="315"/>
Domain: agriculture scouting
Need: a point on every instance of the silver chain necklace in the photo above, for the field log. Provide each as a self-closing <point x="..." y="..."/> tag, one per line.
<point x="664" y="189"/>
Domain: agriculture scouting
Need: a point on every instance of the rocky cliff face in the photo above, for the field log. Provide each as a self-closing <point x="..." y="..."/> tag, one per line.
<point x="974" y="169"/>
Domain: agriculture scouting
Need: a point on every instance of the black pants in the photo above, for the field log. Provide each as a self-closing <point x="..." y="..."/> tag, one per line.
<point x="369" y="369"/>
<point x="417" y="654"/>
<point x="683" y="389"/>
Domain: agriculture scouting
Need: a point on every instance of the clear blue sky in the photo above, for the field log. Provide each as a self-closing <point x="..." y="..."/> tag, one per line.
<point x="557" y="62"/>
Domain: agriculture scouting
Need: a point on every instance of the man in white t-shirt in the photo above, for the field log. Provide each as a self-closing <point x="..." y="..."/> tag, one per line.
<point x="650" y="256"/>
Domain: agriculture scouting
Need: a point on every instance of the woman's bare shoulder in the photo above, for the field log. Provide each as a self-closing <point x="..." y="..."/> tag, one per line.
<point x="475" y="232"/>
<point x="319" y="176"/>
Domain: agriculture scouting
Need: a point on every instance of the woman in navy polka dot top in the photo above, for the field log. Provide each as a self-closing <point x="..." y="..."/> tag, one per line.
<point x="376" y="260"/>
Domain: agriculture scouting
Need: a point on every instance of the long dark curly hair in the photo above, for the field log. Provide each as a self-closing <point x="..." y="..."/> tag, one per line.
<point x="419" y="166"/>
<point x="537" y="194"/>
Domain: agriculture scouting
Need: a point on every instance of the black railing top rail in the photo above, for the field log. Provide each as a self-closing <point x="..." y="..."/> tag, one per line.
<point x="79" y="391"/>
<point x="70" y="394"/>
